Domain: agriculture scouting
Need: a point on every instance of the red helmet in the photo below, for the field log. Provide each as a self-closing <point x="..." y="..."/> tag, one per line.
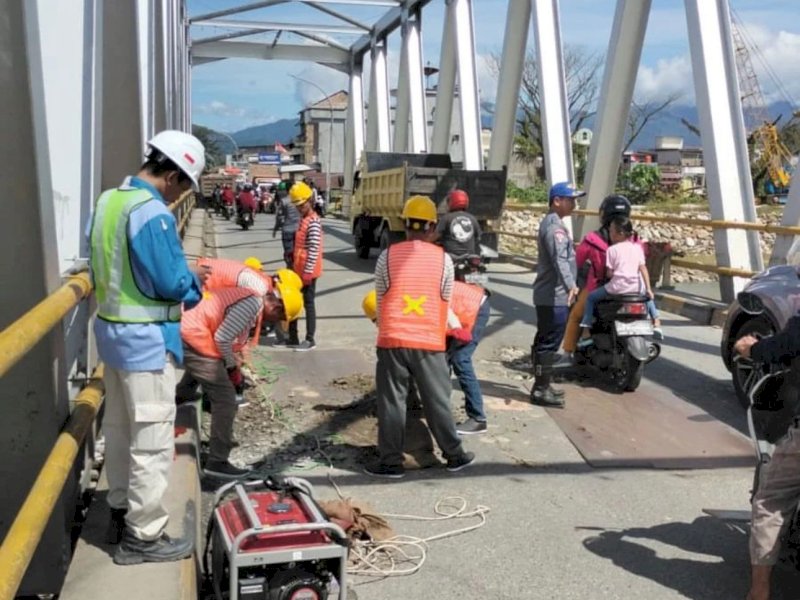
<point x="458" y="200"/>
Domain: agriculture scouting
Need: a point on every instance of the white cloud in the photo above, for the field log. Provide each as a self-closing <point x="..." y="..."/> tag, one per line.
<point x="774" y="57"/>
<point x="324" y="81"/>
<point x="218" y="112"/>
<point x="668" y="77"/>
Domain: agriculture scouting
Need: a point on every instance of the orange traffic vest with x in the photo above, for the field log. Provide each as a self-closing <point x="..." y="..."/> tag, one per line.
<point x="225" y="273"/>
<point x="413" y="313"/>
<point x="200" y="324"/>
<point x="466" y="302"/>
<point x="300" y="256"/>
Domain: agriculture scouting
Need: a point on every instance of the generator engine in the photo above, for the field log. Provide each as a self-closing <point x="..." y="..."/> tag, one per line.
<point x="270" y="541"/>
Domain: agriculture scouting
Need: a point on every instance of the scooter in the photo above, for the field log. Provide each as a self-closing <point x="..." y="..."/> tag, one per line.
<point x="245" y="219"/>
<point x="229" y="211"/>
<point x="471" y="268"/>
<point x="622" y="341"/>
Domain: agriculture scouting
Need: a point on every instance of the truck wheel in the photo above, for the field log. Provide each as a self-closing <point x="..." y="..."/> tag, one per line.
<point x="386" y="239"/>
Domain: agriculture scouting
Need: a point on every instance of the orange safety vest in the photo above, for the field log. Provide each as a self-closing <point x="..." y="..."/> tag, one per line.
<point x="200" y="324"/>
<point x="225" y="273"/>
<point x="466" y="302"/>
<point x="413" y="313"/>
<point x="300" y="250"/>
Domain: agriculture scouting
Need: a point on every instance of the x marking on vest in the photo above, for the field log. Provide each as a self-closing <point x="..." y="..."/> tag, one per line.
<point x="413" y="305"/>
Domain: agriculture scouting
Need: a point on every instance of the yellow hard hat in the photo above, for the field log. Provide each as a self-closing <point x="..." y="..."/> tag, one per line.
<point x="292" y="300"/>
<point x="421" y="208"/>
<point x="289" y="277"/>
<point x="253" y="263"/>
<point x="300" y="193"/>
<point x="370" y="305"/>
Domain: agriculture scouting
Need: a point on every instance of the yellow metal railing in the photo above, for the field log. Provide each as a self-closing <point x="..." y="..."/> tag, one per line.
<point x="16" y="341"/>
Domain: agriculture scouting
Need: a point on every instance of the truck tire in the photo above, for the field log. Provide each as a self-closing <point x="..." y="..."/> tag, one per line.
<point x="385" y="239"/>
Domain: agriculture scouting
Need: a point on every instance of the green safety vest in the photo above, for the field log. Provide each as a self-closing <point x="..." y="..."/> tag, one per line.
<point x="119" y="299"/>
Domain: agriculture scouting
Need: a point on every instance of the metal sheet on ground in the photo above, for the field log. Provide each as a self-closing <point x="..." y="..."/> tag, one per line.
<point x="650" y="427"/>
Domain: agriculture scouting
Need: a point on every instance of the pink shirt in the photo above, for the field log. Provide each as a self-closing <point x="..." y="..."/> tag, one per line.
<point x="624" y="260"/>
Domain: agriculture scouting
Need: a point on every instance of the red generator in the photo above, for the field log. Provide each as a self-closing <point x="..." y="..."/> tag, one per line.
<point x="269" y="540"/>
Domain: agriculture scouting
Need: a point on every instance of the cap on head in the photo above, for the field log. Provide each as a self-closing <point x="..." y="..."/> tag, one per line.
<point x="565" y="189"/>
<point x="185" y="150"/>
<point x="370" y="305"/>
<point x="419" y="208"/>
<point x="289" y="277"/>
<point x="300" y="193"/>
<point x="458" y="200"/>
<point x="253" y="263"/>
<point x="292" y="300"/>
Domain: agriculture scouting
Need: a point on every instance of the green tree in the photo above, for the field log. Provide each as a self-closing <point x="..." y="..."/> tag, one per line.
<point x="208" y="137"/>
<point x="641" y="182"/>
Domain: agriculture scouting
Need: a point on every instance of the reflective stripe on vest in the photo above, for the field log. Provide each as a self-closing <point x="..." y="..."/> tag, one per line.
<point x="119" y="299"/>
<point x="413" y="313"/>
<point x="200" y="324"/>
<point x="466" y="302"/>
<point x="300" y="250"/>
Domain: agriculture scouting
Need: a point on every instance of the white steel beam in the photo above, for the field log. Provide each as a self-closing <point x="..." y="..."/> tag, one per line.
<point x="378" y="121"/>
<point x="791" y="218"/>
<point x="236" y="10"/>
<point x="402" y="110"/>
<point x="446" y="86"/>
<point x="337" y="15"/>
<point x="719" y="107"/>
<point x="416" y="86"/>
<point x="553" y="90"/>
<point x="159" y="60"/>
<point x="386" y="24"/>
<point x="619" y="77"/>
<point x="278" y="26"/>
<point x="354" y="133"/>
<point x="467" y="84"/>
<point x="508" y="83"/>
<point x="264" y="51"/>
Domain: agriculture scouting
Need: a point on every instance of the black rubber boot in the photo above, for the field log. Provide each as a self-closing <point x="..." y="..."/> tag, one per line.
<point x="543" y="393"/>
<point x="116" y="525"/>
<point x="133" y="551"/>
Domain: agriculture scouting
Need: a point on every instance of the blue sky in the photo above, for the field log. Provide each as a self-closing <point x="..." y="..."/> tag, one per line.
<point x="236" y="93"/>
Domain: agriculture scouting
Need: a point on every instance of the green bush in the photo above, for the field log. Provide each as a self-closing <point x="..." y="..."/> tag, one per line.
<point x="536" y="194"/>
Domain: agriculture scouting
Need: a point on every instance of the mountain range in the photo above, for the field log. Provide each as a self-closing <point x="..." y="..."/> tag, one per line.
<point x="670" y="122"/>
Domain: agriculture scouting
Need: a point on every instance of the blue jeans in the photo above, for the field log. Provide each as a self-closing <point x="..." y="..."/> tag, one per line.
<point x="599" y="294"/>
<point x="460" y="358"/>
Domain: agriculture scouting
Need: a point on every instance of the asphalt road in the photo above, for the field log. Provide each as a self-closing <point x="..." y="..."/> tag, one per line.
<point x="557" y="528"/>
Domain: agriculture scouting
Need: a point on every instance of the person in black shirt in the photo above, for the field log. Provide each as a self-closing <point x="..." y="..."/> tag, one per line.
<point x="458" y="231"/>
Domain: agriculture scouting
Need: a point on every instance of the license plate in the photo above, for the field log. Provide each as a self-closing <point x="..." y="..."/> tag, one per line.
<point x="480" y="279"/>
<point x="633" y="327"/>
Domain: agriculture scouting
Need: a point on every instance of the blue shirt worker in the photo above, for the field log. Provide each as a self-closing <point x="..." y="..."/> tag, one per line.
<point x="141" y="281"/>
<point x="554" y="291"/>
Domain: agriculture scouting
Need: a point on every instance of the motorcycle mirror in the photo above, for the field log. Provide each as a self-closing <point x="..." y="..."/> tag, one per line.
<point x="750" y="303"/>
<point x="487" y="252"/>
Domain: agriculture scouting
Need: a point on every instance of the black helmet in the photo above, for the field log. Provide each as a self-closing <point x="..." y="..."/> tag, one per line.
<point x="613" y="206"/>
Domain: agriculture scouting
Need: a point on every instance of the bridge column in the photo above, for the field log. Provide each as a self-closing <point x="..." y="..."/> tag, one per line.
<point x="445" y="87"/>
<point x="378" y="121"/>
<point x="508" y="83"/>
<point x="619" y="76"/>
<point x="410" y="128"/>
<point x="730" y="189"/>
<point x="467" y="84"/>
<point x="553" y="90"/>
<point x="34" y="394"/>
<point x="158" y="80"/>
<point x="354" y="132"/>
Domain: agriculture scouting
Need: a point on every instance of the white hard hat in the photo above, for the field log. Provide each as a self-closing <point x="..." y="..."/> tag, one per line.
<point x="182" y="148"/>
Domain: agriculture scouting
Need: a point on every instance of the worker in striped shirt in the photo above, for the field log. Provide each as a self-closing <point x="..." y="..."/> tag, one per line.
<point x="306" y="262"/>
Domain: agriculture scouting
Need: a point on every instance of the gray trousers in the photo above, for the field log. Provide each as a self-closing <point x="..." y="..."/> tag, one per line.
<point x="211" y="374"/>
<point x="396" y="368"/>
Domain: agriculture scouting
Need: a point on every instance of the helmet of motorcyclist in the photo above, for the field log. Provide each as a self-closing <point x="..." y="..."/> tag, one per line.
<point x="253" y="263"/>
<point x="288" y="277"/>
<point x="300" y="193"/>
<point x="370" y="305"/>
<point x="419" y="209"/>
<point x="457" y="200"/>
<point x="613" y="206"/>
<point x="183" y="149"/>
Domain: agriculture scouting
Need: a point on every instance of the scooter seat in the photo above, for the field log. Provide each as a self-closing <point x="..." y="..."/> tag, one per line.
<point x="625" y="298"/>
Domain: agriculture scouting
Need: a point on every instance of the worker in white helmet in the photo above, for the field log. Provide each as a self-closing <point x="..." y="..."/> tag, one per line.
<point x="142" y="283"/>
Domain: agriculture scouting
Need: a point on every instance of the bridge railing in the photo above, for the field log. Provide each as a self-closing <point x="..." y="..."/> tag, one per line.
<point x="677" y="262"/>
<point x="16" y="341"/>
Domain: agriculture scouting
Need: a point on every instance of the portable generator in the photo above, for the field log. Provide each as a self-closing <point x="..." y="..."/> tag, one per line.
<point x="269" y="540"/>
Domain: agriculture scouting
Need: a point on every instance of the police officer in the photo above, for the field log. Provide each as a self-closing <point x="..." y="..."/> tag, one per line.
<point x="553" y="291"/>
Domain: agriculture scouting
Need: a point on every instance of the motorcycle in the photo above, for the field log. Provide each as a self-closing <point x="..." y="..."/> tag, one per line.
<point x="229" y="211"/>
<point x="245" y="219"/>
<point x="471" y="268"/>
<point x="623" y="345"/>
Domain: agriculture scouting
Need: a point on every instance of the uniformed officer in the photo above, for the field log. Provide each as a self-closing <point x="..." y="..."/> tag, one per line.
<point x="554" y="291"/>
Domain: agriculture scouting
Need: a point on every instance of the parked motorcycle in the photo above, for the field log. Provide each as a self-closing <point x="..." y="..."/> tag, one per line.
<point x="245" y="219"/>
<point x="623" y="341"/>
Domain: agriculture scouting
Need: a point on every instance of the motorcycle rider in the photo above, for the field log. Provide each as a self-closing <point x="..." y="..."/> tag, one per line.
<point x="778" y="493"/>
<point x="228" y="197"/>
<point x="247" y="202"/>
<point x="593" y="249"/>
<point x="458" y="231"/>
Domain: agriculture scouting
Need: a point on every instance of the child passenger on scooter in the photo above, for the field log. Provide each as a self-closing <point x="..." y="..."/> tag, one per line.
<point x="626" y="273"/>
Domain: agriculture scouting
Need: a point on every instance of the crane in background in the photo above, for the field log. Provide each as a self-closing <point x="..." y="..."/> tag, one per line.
<point x="770" y="157"/>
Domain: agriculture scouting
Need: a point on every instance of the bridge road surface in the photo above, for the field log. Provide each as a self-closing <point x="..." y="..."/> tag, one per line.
<point x="558" y="528"/>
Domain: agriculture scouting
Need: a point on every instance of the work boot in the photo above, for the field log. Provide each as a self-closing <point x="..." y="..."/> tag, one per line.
<point x="543" y="393"/>
<point x="557" y="392"/>
<point x="133" y="551"/>
<point x="116" y="525"/>
<point x="545" y="397"/>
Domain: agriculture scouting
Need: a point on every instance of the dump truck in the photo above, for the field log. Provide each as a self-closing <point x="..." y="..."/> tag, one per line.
<point x="385" y="180"/>
<point x="209" y="180"/>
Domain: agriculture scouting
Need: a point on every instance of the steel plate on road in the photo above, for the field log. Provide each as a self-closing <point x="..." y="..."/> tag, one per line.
<point x="634" y="327"/>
